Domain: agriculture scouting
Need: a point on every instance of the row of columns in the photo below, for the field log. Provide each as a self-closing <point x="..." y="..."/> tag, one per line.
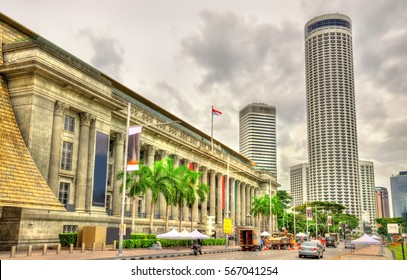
<point x="83" y="188"/>
<point x="240" y="202"/>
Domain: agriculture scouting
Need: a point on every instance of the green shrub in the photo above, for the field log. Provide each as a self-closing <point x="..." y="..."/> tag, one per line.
<point x="138" y="236"/>
<point x="68" y="238"/>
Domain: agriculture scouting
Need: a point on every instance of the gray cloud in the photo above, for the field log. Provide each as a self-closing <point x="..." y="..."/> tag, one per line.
<point x="108" y="54"/>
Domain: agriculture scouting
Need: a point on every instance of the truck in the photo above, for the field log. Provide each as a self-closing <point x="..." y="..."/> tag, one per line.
<point x="280" y="241"/>
<point x="332" y="239"/>
<point x="249" y="238"/>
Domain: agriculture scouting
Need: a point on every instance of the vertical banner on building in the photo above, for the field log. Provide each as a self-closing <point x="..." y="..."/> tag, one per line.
<point x="329" y="220"/>
<point x="309" y="213"/>
<point x="134" y="137"/>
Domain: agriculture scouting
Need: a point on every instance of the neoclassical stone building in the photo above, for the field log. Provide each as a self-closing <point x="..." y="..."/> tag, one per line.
<point x="64" y="124"/>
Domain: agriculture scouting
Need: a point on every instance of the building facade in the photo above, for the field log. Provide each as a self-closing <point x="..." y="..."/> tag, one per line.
<point x="398" y="185"/>
<point x="257" y="135"/>
<point x="299" y="183"/>
<point x="367" y="196"/>
<point x="331" y="113"/>
<point x="382" y="202"/>
<point x="71" y="121"/>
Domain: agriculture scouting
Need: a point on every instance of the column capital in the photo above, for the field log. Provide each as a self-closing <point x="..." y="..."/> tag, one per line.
<point x="151" y="149"/>
<point x="119" y="137"/>
<point x="86" y="118"/>
<point x="60" y="108"/>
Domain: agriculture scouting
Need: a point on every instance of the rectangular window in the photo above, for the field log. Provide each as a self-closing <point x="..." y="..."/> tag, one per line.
<point x="69" y="123"/>
<point x="63" y="192"/>
<point x="109" y="175"/>
<point x="66" y="160"/>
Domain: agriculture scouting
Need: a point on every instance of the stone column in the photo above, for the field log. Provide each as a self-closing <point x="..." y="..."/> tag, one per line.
<point x="175" y="209"/>
<point x="82" y="167"/>
<point x="56" y="142"/>
<point x="219" y="200"/>
<point x="238" y="204"/>
<point x="118" y="166"/>
<point x="162" y="204"/>
<point x="204" y="204"/>
<point x="185" y="208"/>
<point x="248" y="204"/>
<point x="253" y="218"/>
<point x="212" y="194"/>
<point x="151" y="155"/>
<point x="243" y="199"/>
<point x="195" y="216"/>
<point x="232" y="201"/>
<point x="91" y="164"/>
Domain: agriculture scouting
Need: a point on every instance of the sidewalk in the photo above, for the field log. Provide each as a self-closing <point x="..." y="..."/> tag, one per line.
<point x="367" y="252"/>
<point x="372" y="252"/>
<point x="112" y="254"/>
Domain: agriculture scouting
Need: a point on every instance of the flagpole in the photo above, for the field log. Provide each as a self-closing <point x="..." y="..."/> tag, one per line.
<point x="212" y="130"/>
<point x="121" y="229"/>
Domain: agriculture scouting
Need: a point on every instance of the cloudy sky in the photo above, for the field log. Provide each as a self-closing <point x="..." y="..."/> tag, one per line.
<point x="187" y="55"/>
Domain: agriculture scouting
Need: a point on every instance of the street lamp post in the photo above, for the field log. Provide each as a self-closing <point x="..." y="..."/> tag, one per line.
<point x="271" y="212"/>
<point x="121" y="230"/>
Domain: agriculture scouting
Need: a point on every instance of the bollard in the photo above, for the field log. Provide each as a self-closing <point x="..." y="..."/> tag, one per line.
<point x="44" y="249"/>
<point x="114" y="244"/>
<point x="93" y="247"/>
<point x="103" y="246"/>
<point x="70" y="248"/>
<point x="83" y="248"/>
<point x="13" y="252"/>
<point x="58" y="249"/>
<point x="30" y="250"/>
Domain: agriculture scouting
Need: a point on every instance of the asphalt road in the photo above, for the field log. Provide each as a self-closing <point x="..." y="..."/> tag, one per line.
<point x="330" y="253"/>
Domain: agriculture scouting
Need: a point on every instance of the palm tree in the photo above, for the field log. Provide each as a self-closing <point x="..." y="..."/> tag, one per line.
<point x="158" y="181"/>
<point x="173" y="178"/>
<point x="187" y="189"/>
<point x="260" y="208"/>
<point x="134" y="187"/>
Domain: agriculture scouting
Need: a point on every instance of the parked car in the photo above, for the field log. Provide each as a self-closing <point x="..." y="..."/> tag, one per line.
<point x="349" y="245"/>
<point x="311" y="249"/>
<point x="331" y="242"/>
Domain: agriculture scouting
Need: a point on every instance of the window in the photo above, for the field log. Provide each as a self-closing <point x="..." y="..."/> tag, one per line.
<point x="66" y="161"/>
<point x="69" y="123"/>
<point x="63" y="192"/>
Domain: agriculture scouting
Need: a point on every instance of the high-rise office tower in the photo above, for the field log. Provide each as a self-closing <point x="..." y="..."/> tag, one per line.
<point x="382" y="202"/>
<point x="331" y="113"/>
<point x="367" y="195"/>
<point x="299" y="183"/>
<point x="257" y="135"/>
<point x="398" y="185"/>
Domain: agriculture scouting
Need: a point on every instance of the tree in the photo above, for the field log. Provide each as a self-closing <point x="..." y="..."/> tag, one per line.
<point x="134" y="187"/>
<point x="261" y="208"/>
<point x="159" y="181"/>
<point x="187" y="189"/>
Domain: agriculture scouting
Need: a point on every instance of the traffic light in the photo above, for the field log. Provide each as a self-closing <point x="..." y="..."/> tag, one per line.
<point x="209" y="224"/>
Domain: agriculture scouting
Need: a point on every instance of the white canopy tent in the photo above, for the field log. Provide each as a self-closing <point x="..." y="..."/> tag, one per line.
<point x="265" y="233"/>
<point x="172" y="234"/>
<point x="367" y="240"/>
<point x="197" y="235"/>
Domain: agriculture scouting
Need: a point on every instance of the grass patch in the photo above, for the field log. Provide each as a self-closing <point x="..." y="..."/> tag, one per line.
<point x="398" y="251"/>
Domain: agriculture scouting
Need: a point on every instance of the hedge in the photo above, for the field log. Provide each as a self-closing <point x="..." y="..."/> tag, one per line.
<point x="68" y="238"/>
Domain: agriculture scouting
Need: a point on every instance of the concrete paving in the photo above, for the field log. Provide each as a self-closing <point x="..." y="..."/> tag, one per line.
<point x="371" y="252"/>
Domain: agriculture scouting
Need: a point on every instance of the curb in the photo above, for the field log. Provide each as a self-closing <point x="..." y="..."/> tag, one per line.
<point x="171" y="255"/>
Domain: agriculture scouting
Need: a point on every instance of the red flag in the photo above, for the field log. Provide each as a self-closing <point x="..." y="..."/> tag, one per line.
<point x="216" y="112"/>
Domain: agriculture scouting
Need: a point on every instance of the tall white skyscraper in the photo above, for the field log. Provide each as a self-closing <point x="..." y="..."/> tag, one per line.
<point x="368" y="194"/>
<point x="257" y="135"/>
<point x="299" y="183"/>
<point x="331" y="113"/>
